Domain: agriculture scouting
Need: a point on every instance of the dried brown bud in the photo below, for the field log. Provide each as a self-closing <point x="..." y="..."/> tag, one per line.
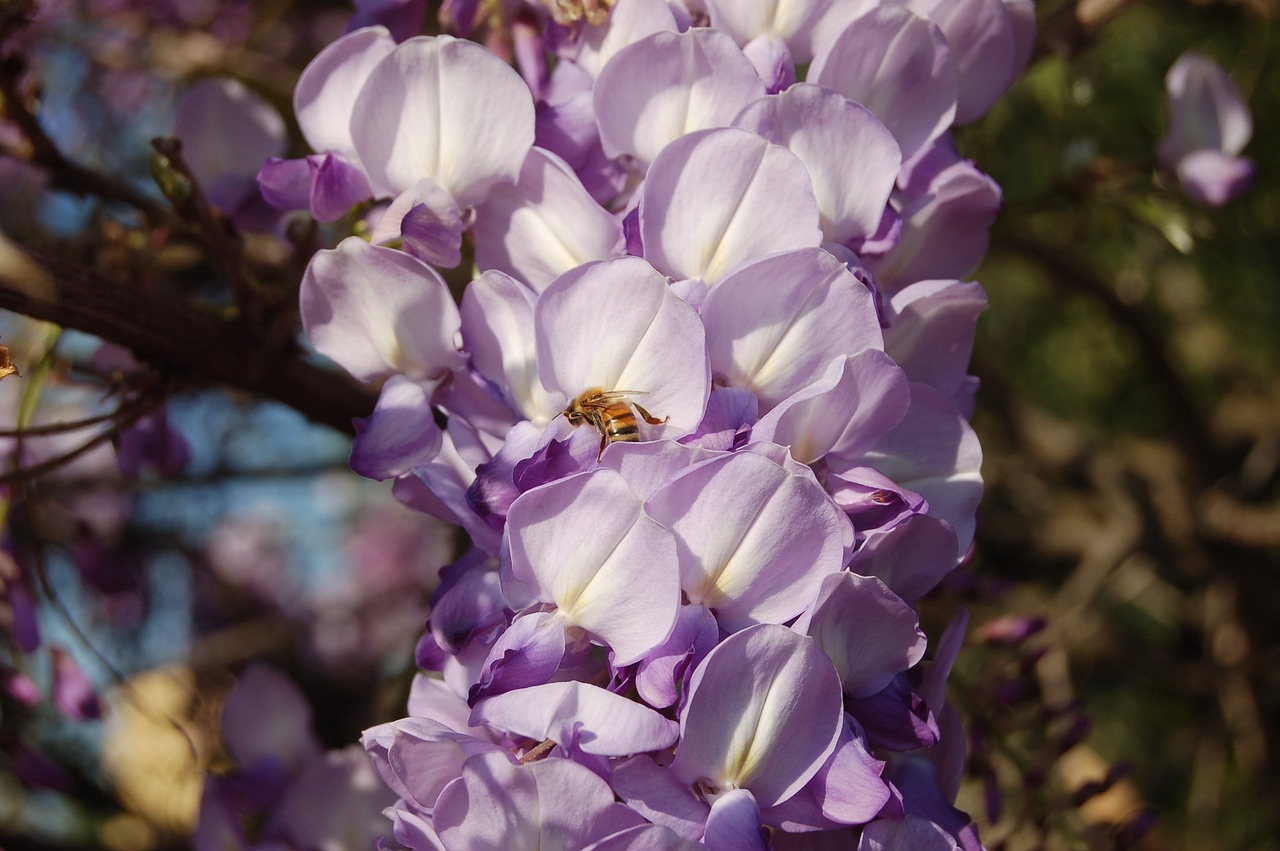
<point x="7" y="367"/>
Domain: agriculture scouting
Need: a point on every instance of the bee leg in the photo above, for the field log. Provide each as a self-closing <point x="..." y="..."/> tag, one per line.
<point x="650" y="418"/>
<point x="604" y="441"/>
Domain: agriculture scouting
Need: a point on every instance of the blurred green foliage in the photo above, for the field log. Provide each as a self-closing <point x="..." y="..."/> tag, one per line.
<point x="1130" y="362"/>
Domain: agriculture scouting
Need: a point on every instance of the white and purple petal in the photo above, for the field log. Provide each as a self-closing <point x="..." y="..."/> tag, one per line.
<point x="400" y="434"/>
<point x="869" y="633"/>
<point x="629" y="22"/>
<point x="897" y="65"/>
<point x="935" y="453"/>
<point x="734" y="824"/>
<point x="498" y="332"/>
<point x="444" y="109"/>
<point x="550" y="805"/>
<point x="754" y="540"/>
<point x="932" y="330"/>
<point x="985" y="47"/>
<point x="418" y="757"/>
<point x="913" y="833"/>
<point x="544" y="224"/>
<point x="852" y="158"/>
<point x="586" y="545"/>
<point x="858" y="399"/>
<point x="227" y="131"/>
<point x="944" y="231"/>
<point x="661" y="797"/>
<point x="1206" y="111"/>
<point x="805" y="25"/>
<point x="669" y="84"/>
<point x="1214" y="178"/>
<point x="775" y="324"/>
<point x="646" y="837"/>
<point x="716" y="199"/>
<point x="528" y="653"/>
<point x="593" y="719"/>
<point x="326" y="92"/>
<point x="911" y="558"/>
<point x="764" y="713"/>
<point x="661" y="675"/>
<point x="379" y="312"/>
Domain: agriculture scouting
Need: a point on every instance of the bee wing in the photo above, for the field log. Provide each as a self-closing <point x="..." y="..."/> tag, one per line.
<point x="605" y="399"/>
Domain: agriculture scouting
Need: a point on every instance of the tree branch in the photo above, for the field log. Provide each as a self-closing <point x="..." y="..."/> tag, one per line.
<point x="200" y="346"/>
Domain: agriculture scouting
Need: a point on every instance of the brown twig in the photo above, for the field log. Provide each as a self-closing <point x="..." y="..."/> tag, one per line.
<point x="60" y="427"/>
<point x="199" y="345"/>
<point x="223" y="242"/>
<point x="124" y="418"/>
<point x="1226" y="519"/>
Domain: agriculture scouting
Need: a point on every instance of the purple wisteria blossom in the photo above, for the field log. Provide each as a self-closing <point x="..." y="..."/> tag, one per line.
<point x="1209" y="125"/>
<point x="227" y="130"/>
<point x="701" y="406"/>
<point x="284" y="790"/>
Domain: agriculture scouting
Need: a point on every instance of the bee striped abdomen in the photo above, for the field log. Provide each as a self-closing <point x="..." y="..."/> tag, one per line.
<point x="620" y="423"/>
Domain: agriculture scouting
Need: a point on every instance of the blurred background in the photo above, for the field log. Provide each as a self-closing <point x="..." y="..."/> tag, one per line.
<point x="1123" y="671"/>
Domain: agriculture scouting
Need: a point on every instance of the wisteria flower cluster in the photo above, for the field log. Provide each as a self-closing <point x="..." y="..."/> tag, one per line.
<point x="702" y="411"/>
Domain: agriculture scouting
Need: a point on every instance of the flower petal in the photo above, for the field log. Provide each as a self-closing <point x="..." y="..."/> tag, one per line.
<point x="734" y="824"/>
<point x="897" y="65"/>
<point x="1214" y="178"/>
<point x="227" y="130"/>
<point x="857" y="400"/>
<point x="764" y="713"/>
<point x="669" y="84"/>
<point x="658" y="795"/>
<point x="378" y="312"/>
<point x="400" y="434"/>
<point x="805" y="25"/>
<point x="444" y="109"/>
<point x="931" y="334"/>
<point x="628" y="23"/>
<point x="944" y="230"/>
<point x="852" y="158"/>
<point x="776" y="323"/>
<point x="868" y="632"/>
<point x="913" y="833"/>
<point x="1206" y="110"/>
<point x="911" y="558"/>
<point x="497" y="329"/>
<point x="266" y="716"/>
<point x="326" y="92"/>
<point x="583" y="543"/>
<point x="984" y="47"/>
<point x="646" y="837"/>
<point x="553" y="804"/>
<point x="934" y="452"/>
<point x="544" y="224"/>
<point x="754" y="540"/>
<point x="716" y="199"/>
<point x="599" y="721"/>
<point x="527" y="654"/>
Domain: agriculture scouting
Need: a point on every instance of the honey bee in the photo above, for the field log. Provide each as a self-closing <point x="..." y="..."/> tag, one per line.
<point x="612" y="415"/>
